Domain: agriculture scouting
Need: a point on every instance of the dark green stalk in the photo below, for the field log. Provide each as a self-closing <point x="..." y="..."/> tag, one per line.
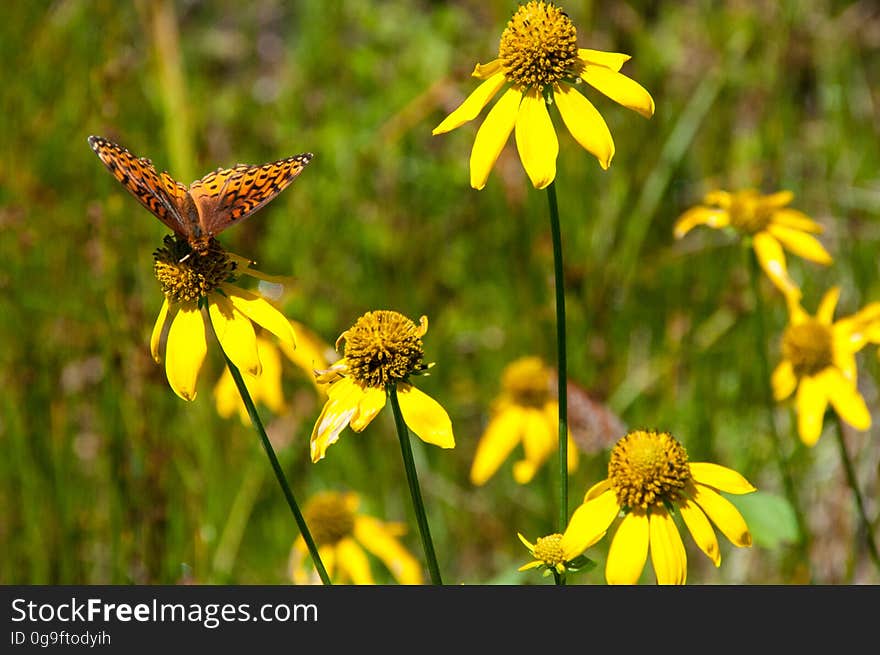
<point x="561" y="363"/>
<point x="854" y="485"/>
<point x="413" y="480"/>
<point x="276" y="466"/>
<point x="763" y="358"/>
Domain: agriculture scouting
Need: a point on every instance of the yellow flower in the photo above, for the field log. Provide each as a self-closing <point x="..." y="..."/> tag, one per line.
<point x="525" y="412"/>
<point x="200" y="296"/>
<point x="383" y="348"/>
<point x="547" y="553"/>
<point x="540" y="64"/>
<point x="818" y="359"/>
<point x="309" y="355"/>
<point x="769" y="223"/>
<point x="341" y="535"/>
<point x="650" y="479"/>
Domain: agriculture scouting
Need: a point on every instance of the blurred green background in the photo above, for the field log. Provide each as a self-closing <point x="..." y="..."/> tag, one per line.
<point x="108" y="477"/>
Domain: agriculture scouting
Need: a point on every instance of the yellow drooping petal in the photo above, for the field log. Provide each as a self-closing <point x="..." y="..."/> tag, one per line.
<point x="500" y="437"/>
<point x="723" y="514"/>
<point x="589" y="523"/>
<point x="619" y="88"/>
<point x="825" y="312"/>
<point x="597" y="489"/>
<point x="772" y="260"/>
<point x="377" y="539"/>
<point x="701" y="530"/>
<point x="797" y="220"/>
<point x="612" y="60"/>
<point x="811" y="402"/>
<point x="158" y="329"/>
<point x="485" y="71"/>
<point x="629" y="549"/>
<point x="235" y="333"/>
<point x="846" y="399"/>
<point x="711" y="217"/>
<point x="492" y="136"/>
<point x="260" y="311"/>
<point x="473" y="104"/>
<point x="536" y="139"/>
<point x="185" y="350"/>
<point x="336" y="414"/>
<point x="800" y="243"/>
<point x="585" y="123"/>
<point x="720" y="477"/>
<point x="353" y="562"/>
<point x="371" y="403"/>
<point x="425" y="416"/>
<point x="668" y="556"/>
<point x="783" y="380"/>
<point x="539" y="441"/>
<point x="226" y="397"/>
<point x="268" y="387"/>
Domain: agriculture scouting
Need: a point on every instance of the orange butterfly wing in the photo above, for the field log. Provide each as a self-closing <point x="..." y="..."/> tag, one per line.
<point x="158" y="192"/>
<point x="229" y="195"/>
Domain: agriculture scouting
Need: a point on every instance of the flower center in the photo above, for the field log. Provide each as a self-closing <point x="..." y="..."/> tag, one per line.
<point x="748" y="214"/>
<point x="648" y="467"/>
<point x="329" y="518"/>
<point x="384" y="347"/>
<point x="184" y="275"/>
<point x="549" y="550"/>
<point x="808" y="347"/>
<point x="539" y="46"/>
<point x="527" y="382"/>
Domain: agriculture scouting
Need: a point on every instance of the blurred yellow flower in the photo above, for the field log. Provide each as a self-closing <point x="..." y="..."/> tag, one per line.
<point x="309" y="355"/>
<point x="199" y="295"/>
<point x="525" y="412"/>
<point x="383" y="348"/>
<point x="650" y="478"/>
<point x="818" y="359"/>
<point x="769" y="223"/>
<point x="342" y="534"/>
<point x="540" y="64"/>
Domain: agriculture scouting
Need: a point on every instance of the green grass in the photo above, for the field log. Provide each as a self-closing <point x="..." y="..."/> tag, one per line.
<point x="108" y="477"/>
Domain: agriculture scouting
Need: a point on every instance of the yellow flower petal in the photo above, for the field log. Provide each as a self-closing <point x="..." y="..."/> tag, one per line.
<point x="336" y="414"/>
<point x="353" y="562"/>
<point x="612" y="60"/>
<point x="536" y="139"/>
<point x="425" y="416"/>
<point x="371" y="403"/>
<point x="720" y="477"/>
<point x="226" y="398"/>
<point x="585" y="123"/>
<point x="777" y="200"/>
<point x="597" y="489"/>
<point x="783" y="380"/>
<point x="846" y="399"/>
<point x="589" y="523"/>
<point x="811" y="402"/>
<point x="668" y="556"/>
<point x="619" y="88"/>
<point x="711" y="217"/>
<point x="572" y="454"/>
<point x="260" y="311"/>
<point x="158" y="329"/>
<point x="797" y="220"/>
<point x="485" y="71"/>
<point x="311" y="353"/>
<point x="629" y="549"/>
<point x="800" y="243"/>
<point x="530" y="565"/>
<point x="473" y="104"/>
<point x="539" y="441"/>
<point x="723" y="199"/>
<point x="377" y="539"/>
<point x="701" y="530"/>
<point x="723" y="514"/>
<point x="492" y="136"/>
<point x="772" y="260"/>
<point x="268" y="387"/>
<point x="235" y="333"/>
<point x="500" y="437"/>
<point x="825" y="313"/>
<point x="185" y="350"/>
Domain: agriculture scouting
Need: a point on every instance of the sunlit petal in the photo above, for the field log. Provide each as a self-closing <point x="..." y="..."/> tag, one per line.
<point x="158" y="329"/>
<point x="473" y="104"/>
<point x="800" y="243"/>
<point x="236" y="334"/>
<point x="536" y="139"/>
<point x="485" y="71"/>
<point x="185" y="350"/>
<point x="811" y="402"/>
<point x="772" y="260"/>
<point x="371" y="403"/>
<point x="589" y="523"/>
<point x="377" y="539"/>
<point x="701" y="529"/>
<point x="797" y="220"/>
<point x="723" y="514"/>
<point x="612" y="60"/>
<point x="500" y="437"/>
<point x="492" y="136"/>
<point x="668" y="556"/>
<point x="425" y="416"/>
<point x="720" y="477"/>
<point x="846" y="399"/>
<point x="629" y="549"/>
<point x="619" y="88"/>
<point x="777" y="200"/>
<point x="597" y="489"/>
<point x="585" y="123"/>
<point x="711" y="217"/>
<point x="336" y="414"/>
<point x="353" y="561"/>
<point x="260" y="311"/>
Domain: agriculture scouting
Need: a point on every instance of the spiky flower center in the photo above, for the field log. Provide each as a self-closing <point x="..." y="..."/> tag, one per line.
<point x="808" y="346"/>
<point x="184" y="275"/>
<point x="749" y="214"/>
<point x="329" y="517"/>
<point x="647" y="468"/>
<point x="549" y="550"/>
<point x="384" y="347"/>
<point x="527" y="382"/>
<point x="539" y="46"/>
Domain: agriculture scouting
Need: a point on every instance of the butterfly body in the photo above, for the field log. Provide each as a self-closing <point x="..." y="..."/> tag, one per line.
<point x="210" y="204"/>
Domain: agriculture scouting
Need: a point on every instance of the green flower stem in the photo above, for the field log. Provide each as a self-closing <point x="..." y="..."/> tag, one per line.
<point x="761" y="346"/>
<point x="413" y="480"/>
<point x="561" y="364"/>
<point x="854" y="485"/>
<point x="276" y="466"/>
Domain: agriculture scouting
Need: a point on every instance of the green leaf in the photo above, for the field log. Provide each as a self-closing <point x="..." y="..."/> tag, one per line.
<point x="580" y="564"/>
<point x="770" y="518"/>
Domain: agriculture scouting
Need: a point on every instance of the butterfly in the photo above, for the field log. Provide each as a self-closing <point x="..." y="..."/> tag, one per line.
<point x="210" y="204"/>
